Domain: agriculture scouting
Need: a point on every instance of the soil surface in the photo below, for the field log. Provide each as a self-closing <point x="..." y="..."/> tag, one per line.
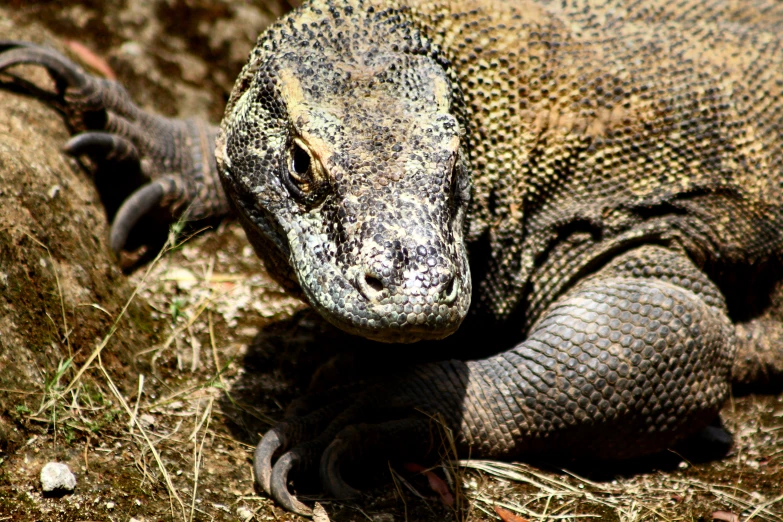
<point x="153" y="386"/>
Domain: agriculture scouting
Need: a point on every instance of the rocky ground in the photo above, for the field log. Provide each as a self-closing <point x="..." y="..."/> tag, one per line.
<point x="153" y="385"/>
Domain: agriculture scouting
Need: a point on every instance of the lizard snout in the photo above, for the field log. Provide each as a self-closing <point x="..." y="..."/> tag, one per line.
<point x="374" y="289"/>
<point x="417" y="289"/>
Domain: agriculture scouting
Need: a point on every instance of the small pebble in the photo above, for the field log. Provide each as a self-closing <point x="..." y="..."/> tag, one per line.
<point x="244" y="514"/>
<point x="131" y="49"/>
<point x="56" y="476"/>
<point x="147" y="421"/>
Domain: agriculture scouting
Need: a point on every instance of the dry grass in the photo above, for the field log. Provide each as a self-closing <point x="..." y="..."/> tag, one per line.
<point x="568" y="496"/>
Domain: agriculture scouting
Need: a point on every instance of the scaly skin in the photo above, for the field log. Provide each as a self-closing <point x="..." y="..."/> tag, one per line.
<point x="601" y="176"/>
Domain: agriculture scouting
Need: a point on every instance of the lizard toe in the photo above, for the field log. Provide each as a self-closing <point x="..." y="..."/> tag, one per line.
<point x="303" y="425"/>
<point x="409" y="437"/>
<point x="360" y="431"/>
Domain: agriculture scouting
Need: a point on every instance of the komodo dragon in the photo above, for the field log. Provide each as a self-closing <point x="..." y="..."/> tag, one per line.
<point x="602" y="177"/>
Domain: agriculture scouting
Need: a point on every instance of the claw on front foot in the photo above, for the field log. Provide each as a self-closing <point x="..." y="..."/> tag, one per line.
<point x="274" y="480"/>
<point x="62" y="69"/>
<point x="132" y="209"/>
<point x="262" y="460"/>
<point x="279" y="484"/>
<point x="327" y="434"/>
<point x="104" y="144"/>
<point x="331" y="478"/>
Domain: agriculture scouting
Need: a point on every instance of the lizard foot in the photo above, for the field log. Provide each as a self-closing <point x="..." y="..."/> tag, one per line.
<point x="384" y="421"/>
<point x="172" y="161"/>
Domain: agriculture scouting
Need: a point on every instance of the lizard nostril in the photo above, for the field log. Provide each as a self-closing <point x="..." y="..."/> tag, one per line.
<point x="373" y="282"/>
<point x="449" y="291"/>
<point x="369" y="286"/>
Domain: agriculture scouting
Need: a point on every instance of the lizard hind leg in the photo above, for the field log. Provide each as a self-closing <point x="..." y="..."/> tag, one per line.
<point x="758" y="364"/>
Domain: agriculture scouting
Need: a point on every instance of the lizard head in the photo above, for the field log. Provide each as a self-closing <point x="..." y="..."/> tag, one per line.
<point x="343" y="153"/>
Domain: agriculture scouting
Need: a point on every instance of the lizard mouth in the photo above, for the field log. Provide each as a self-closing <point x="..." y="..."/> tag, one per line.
<point x="394" y="332"/>
<point x="365" y="304"/>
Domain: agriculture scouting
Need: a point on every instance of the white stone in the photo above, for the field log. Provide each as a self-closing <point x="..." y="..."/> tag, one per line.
<point x="57" y="476"/>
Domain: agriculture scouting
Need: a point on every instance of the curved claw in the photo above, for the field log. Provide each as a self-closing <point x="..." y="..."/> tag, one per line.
<point x="279" y="485"/>
<point x="10" y="44"/>
<point x="262" y="459"/>
<point x="110" y="146"/>
<point x="60" y="67"/>
<point x="331" y="478"/>
<point x="136" y="206"/>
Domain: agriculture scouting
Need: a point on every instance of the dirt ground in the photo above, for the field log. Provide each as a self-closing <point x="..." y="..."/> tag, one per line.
<point x="153" y="386"/>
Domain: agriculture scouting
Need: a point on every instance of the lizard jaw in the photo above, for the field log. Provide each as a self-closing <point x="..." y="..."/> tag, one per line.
<point x="409" y="309"/>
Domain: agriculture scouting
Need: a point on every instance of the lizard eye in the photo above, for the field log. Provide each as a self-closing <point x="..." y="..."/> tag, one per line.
<point x="301" y="175"/>
<point x="300" y="161"/>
